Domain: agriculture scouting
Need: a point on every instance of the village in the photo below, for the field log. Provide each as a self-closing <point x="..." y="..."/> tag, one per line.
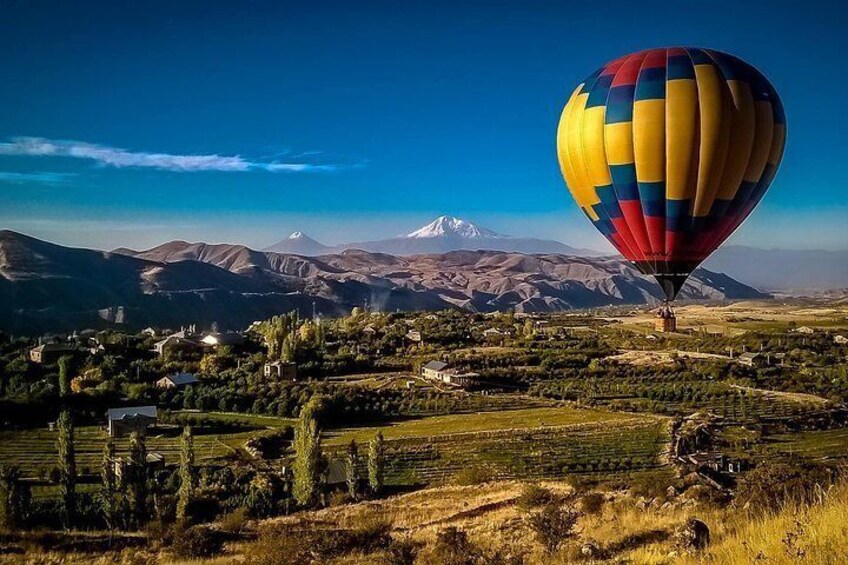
<point x="709" y="400"/>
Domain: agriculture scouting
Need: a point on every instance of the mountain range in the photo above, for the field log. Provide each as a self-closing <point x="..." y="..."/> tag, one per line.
<point x="778" y="270"/>
<point x="444" y="234"/>
<point x="48" y="287"/>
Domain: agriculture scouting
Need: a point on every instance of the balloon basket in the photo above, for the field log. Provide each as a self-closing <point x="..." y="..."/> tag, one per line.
<point x="666" y="321"/>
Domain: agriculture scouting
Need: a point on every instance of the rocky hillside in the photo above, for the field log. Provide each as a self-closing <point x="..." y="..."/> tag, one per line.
<point x="46" y="287"/>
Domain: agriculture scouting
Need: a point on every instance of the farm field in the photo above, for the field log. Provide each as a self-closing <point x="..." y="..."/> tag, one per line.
<point x="747" y="315"/>
<point x="536" y="443"/>
<point x="34" y="451"/>
<point x="258" y="420"/>
<point x="820" y="444"/>
<point x="475" y="422"/>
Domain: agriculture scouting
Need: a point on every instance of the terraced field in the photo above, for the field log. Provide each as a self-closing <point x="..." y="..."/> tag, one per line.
<point x="821" y="444"/>
<point x="475" y="422"/>
<point x="536" y="443"/>
<point x="34" y="451"/>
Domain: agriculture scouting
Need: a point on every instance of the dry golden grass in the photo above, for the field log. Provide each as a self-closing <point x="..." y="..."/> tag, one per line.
<point x="624" y="529"/>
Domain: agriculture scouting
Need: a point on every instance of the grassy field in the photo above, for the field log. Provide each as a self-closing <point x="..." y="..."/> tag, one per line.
<point x="533" y="443"/>
<point x="821" y="444"/>
<point x="257" y="420"/>
<point x="34" y="451"/>
<point x="475" y="422"/>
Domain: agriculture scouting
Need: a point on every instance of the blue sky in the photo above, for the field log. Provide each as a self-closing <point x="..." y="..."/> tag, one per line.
<point x="136" y="123"/>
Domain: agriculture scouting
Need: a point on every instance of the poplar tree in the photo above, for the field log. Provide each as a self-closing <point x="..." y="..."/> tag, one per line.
<point x="137" y="480"/>
<point x="65" y="376"/>
<point x="108" y="484"/>
<point x="14" y="499"/>
<point x="376" y="462"/>
<point x="307" y="461"/>
<point x="353" y="469"/>
<point x="186" y="492"/>
<point x="67" y="468"/>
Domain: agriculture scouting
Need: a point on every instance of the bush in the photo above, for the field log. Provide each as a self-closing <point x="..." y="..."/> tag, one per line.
<point x="472" y="476"/>
<point x="197" y="542"/>
<point x="452" y="547"/>
<point x="592" y="503"/>
<point x="401" y="552"/>
<point x="770" y="485"/>
<point x="553" y="526"/>
<point x="234" y="522"/>
<point x="533" y="496"/>
<point x="309" y="544"/>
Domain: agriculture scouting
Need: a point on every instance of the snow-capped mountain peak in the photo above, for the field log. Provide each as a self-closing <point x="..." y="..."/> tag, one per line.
<point x="299" y="235"/>
<point x="448" y="226"/>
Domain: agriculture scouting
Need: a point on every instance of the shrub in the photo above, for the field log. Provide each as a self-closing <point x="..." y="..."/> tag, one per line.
<point x="308" y="544"/>
<point x="767" y="487"/>
<point x="533" y="496"/>
<point x="472" y="476"/>
<point x="234" y="522"/>
<point x="452" y="547"/>
<point x="197" y="542"/>
<point x="553" y="526"/>
<point x="401" y="552"/>
<point x="592" y="503"/>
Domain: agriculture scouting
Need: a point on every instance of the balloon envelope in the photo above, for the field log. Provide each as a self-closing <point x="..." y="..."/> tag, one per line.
<point x="667" y="151"/>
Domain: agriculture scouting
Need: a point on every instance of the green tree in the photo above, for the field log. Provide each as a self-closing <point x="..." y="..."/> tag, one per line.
<point x="352" y="469"/>
<point x="376" y="462"/>
<point x="108" y="502"/>
<point x="307" y="461"/>
<point x="14" y="499"/>
<point x="186" y="492"/>
<point x="67" y="468"/>
<point x="65" y="376"/>
<point x="136" y="480"/>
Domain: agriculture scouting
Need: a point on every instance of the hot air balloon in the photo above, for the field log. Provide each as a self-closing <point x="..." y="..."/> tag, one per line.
<point x="667" y="151"/>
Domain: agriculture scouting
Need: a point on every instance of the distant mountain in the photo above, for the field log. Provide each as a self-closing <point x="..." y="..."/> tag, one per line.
<point x="477" y="280"/>
<point x="47" y="287"/>
<point x="782" y="269"/>
<point x="442" y="235"/>
<point x="298" y="243"/>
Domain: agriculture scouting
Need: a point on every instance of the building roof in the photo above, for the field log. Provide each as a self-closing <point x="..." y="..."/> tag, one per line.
<point x="229" y="338"/>
<point x="181" y="379"/>
<point x="51" y="347"/>
<point x="131" y="412"/>
<point x="279" y="363"/>
<point x="436" y="366"/>
<point x="749" y="355"/>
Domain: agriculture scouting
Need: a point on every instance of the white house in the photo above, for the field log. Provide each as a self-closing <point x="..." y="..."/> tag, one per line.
<point x="439" y="371"/>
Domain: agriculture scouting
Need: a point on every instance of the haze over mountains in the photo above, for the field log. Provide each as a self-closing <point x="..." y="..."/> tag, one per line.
<point x="48" y="287"/>
<point x="444" y="234"/>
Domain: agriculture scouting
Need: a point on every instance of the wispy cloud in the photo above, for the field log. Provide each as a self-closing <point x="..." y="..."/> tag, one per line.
<point x="38" y="178"/>
<point x="122" y="158"/>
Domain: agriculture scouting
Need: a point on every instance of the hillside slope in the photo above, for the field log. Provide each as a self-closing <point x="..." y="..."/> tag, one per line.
<point x="47" y="287"/>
